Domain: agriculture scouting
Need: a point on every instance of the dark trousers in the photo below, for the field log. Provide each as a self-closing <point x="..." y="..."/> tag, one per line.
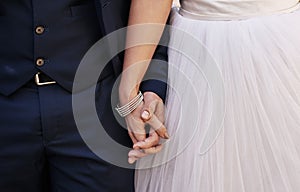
<point x="41" y="149"/>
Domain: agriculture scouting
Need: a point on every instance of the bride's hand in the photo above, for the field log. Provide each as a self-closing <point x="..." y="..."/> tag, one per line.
<point x="151" y="113"/>
<point x="143" y="148"/>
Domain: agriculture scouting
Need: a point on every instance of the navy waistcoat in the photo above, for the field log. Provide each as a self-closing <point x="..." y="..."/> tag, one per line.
<point x="42" y="35"/>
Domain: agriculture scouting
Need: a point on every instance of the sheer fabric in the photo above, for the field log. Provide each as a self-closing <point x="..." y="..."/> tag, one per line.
<point x="257" y="147"/>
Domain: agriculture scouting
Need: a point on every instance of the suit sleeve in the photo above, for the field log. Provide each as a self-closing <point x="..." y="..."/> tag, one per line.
<point x="156" y="77"/>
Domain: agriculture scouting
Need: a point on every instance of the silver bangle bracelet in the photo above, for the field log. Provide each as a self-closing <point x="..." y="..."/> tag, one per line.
<point x="130" y="106"/>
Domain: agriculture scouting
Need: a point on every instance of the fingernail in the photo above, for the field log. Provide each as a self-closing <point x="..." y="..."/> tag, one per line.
<point x="137" y="145"/>
<point x="145" y="115"/>
<point x="131" y="160"/>
<point x="166" y="135"/>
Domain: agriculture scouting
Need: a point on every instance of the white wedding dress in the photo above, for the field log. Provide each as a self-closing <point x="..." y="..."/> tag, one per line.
<point x="233" y="104"/>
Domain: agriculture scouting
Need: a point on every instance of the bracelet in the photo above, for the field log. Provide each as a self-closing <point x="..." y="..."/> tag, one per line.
<point x="130" y="106"/>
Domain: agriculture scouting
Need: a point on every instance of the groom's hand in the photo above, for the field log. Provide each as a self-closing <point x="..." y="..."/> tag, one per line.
<point x="151" y="112"/>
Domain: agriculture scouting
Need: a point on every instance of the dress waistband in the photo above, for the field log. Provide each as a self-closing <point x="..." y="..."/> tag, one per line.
<point x="236" y="11"/>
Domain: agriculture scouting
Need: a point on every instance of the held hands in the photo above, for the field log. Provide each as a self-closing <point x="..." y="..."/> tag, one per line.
<point x="149" y="112"/>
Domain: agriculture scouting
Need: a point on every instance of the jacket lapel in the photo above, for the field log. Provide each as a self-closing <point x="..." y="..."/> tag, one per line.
<point x="113" y="15"/>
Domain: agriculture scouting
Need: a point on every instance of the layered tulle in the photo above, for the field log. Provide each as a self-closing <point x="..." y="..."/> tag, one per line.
<point x="256" y="148"/>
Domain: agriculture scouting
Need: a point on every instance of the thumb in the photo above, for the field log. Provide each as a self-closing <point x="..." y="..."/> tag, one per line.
<point x="148" y="109"/>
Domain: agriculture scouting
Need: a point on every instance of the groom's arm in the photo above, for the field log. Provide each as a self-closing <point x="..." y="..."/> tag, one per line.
<point x="155" y="79"/>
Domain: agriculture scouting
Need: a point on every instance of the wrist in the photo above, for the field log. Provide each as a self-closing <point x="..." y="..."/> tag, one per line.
<point x="130" y="106"/>
<point x="127" y="93"/>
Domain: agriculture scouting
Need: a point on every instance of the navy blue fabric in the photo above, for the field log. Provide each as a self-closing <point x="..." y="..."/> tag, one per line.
<point x="62" y="44"/>
<point x="40" y="147"/>
<point x="113" y="15"/>
<point x="70" y="30"/>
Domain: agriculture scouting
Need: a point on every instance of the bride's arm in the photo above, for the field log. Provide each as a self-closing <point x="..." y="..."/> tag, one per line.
<point x="137" y="58"/>
<point x="136" y="62"/>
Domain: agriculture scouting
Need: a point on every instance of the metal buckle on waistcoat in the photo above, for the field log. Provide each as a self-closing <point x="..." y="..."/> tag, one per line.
<point x="38" y="80"/>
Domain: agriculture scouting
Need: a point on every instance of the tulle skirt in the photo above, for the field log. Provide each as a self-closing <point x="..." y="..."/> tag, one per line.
<point x="232" y="110"/>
